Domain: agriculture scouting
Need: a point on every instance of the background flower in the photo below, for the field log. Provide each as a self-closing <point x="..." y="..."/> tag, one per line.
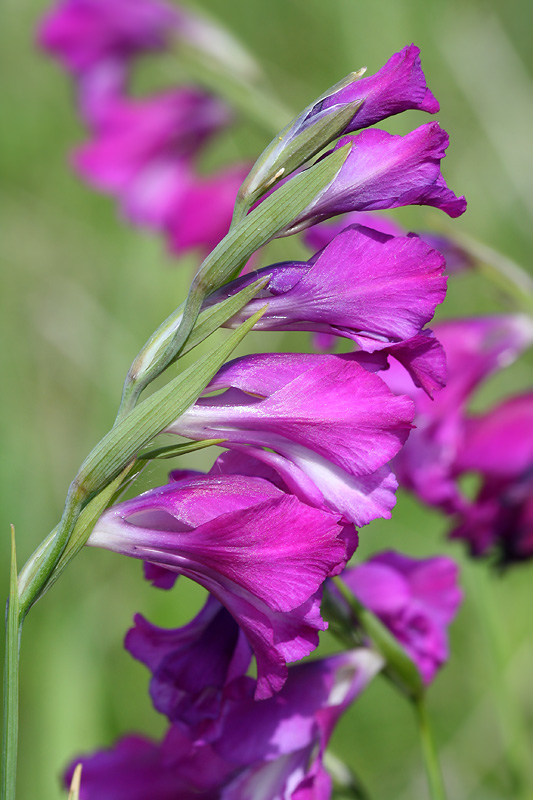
<point x="415" y="598"/>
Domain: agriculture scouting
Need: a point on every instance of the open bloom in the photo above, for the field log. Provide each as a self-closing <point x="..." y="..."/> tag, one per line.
<point x="375" y="289"/>
<point x="270" y="749"/>
<point x="498" y="447"/>
<point x="415" y="598"/>
<point x="475" y="348"/>
<point x="261" y="552"/>
<point x="329" y="427"/>
<point x="386" y="171"/>
<point x="143" y="153"/>
<point x="83" y="33"/>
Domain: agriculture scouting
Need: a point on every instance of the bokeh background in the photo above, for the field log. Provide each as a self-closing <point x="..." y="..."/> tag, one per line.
<point x="81" y="291"/>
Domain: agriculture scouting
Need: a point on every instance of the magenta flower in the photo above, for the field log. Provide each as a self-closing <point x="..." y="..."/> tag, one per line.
<point x="398" y="86"/>
<point x="270" y="749"/>
<point x="95" y="40"/>
<point x="142" y="151"/>
<point x="498" y="447"/>
<point x="415" y="598"/>
<point x="366" y="286"/>
<point x="84" y="33"/>
<point x="475" y="348"/>
<point x="191" y="665"/>
<point x="261" y="552"/>
<point x="385" y="171"/>
<point x="328" y="424"/>
<point x="201" y="213"/>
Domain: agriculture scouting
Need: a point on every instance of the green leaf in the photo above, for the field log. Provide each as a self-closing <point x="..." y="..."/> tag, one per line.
<point x="174" y="450"/>
<point x="11" y="683"/>
<point x="213" y="318"/>
<point x="147" y="364"/>
<point x="290" y="149"/>
<point x="82" y="530"/>
<point x="400" y="668"/>
<point x="261" y="225"/>
<point x="125" y="440"/>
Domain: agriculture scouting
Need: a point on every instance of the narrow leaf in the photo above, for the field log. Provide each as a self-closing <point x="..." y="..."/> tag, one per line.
<point x="125" y="440"/>
<point x="213" y="318"/>
<point x="11" y="683"/>
<point x="177" y="449"/>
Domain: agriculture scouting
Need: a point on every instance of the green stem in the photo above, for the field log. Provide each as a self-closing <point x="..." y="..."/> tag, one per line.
<point x="73" y="507"/>
<point x="512" y="722"/>
<point x="431" y="761"/>
<point x="146" y="365"/>
<point x="11" y="684"/>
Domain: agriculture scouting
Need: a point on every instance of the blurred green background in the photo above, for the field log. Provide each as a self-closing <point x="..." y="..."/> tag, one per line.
<point x="81" y="291"/>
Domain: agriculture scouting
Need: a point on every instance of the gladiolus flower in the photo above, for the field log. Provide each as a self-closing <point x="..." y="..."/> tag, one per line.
<point x="270" y="749"/>
<point x="142" y="153"/>
<point x="385" y="171"/>
<point x="498" y="447"/>
<point x="415" y="598"/>
<point x="95" y="40"/>
<point x="330" y="427"/>
<point x="261" y="552"/>
<point x="475" y="348"/>
<point x="372" y="288"/>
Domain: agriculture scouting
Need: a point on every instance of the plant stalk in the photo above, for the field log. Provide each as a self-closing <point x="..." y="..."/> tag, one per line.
<point x="11" y="684"/>
<point x="437" y="790"/>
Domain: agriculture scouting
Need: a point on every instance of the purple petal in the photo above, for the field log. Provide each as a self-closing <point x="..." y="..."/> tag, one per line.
<point x="385" y="171"/>
<point x="264" y="559"/>
<point x="82" y="33"/>
<point x="500" y="443"/>
<point x="192" y="664"/>
<point x="415" y="598"/>
<point x="336" y="409"/>
<point x="370" y="287"/>
<point x="398" y="86"/>
<point x="138" y="769"/>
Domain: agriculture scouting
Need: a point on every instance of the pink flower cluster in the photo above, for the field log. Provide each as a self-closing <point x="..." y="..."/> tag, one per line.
<point x="496" y="446"/>
<point x="308" y="438"/>
<point x="144" y="150"/>
<point x="222" y="743"/>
